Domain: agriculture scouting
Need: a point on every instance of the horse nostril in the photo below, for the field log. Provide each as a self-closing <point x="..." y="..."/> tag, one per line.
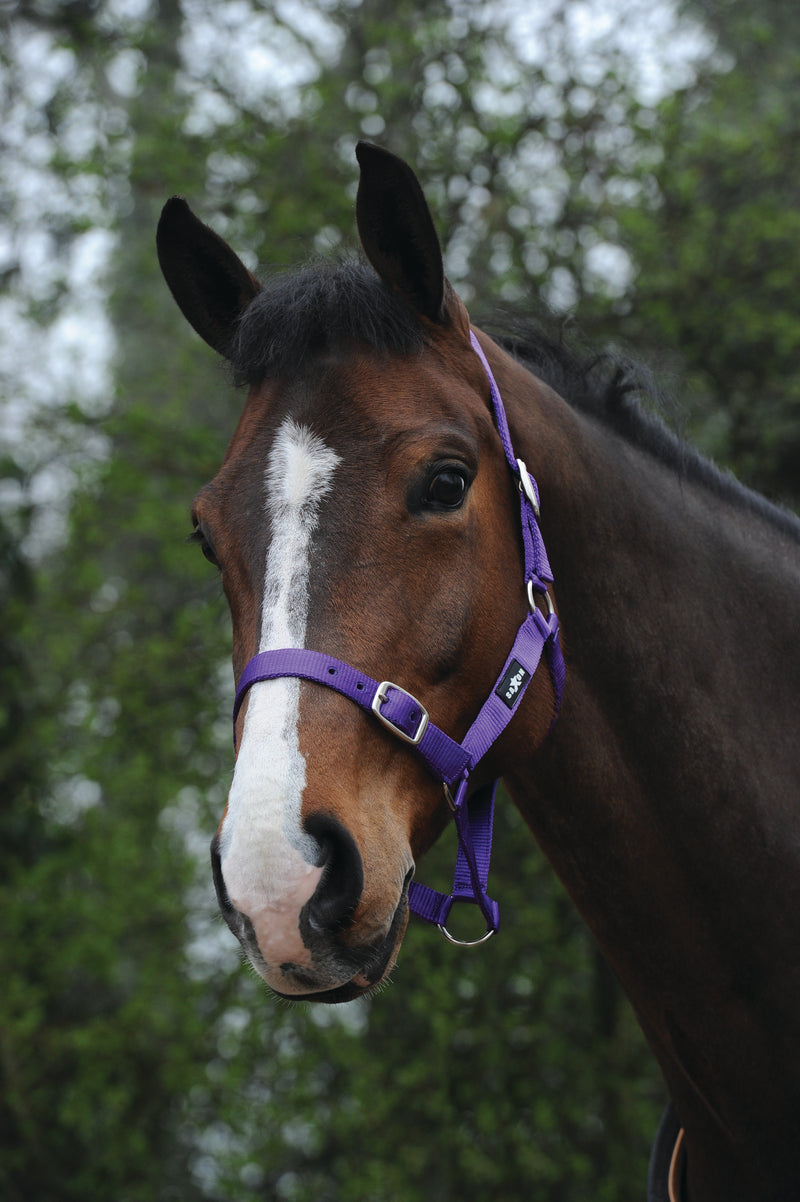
<point x="224" y="901"/>
<point x="339" y="890"/>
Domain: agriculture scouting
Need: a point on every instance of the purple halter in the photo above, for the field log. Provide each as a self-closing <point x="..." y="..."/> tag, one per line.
<point x="406" y="718"/>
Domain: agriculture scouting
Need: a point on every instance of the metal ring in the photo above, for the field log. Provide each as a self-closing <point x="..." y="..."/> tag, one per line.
<point x="464" y="942"/>
<point x="543" y="592"/>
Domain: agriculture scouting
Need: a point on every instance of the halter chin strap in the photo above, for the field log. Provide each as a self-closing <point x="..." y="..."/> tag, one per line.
<point x="407" y="719"/>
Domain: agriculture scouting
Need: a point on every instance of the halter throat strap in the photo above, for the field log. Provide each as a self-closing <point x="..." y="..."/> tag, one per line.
<point x="405" y="717"/>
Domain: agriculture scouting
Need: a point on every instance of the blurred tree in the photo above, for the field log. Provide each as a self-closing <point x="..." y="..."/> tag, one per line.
<point x="89" y="1071"/>
<point x="715" y="234"/>
<point x="102" y="1023"/>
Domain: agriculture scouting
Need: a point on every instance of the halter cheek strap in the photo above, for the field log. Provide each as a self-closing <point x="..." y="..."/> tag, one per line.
<point x="407" y="719"/>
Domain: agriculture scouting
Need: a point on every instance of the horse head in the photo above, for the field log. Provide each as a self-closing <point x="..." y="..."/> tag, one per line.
<point x="364" y="508"/>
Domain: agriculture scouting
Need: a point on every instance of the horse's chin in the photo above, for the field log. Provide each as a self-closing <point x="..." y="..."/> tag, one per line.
<point x="376" y="964"/>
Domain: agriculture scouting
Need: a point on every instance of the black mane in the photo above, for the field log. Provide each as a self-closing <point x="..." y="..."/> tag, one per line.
<point x="623" y="395"/>
<point x="326" y="306"/>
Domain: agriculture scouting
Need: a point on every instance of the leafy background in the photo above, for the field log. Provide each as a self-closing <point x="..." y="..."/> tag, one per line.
<point x="633" y="167"/>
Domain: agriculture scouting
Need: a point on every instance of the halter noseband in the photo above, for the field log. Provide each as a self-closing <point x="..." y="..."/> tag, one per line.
<point x="407" y="719"/>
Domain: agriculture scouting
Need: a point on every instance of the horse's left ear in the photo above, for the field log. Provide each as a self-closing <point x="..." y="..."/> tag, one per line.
<point x="397" y="231"/>
<point x="210" y="283"/>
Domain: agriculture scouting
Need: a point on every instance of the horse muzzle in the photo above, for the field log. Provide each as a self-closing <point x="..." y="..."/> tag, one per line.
<point x="318" y="941"/>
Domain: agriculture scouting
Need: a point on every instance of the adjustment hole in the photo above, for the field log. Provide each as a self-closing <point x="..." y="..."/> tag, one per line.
<point x="360" y="685"/>
<point x="331" y="671"/>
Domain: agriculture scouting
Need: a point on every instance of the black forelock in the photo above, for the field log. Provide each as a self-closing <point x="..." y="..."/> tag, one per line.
<point x="324" y="307"/>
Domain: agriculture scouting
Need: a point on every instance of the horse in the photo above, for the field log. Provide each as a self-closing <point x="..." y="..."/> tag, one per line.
<point x="366" y="522"/>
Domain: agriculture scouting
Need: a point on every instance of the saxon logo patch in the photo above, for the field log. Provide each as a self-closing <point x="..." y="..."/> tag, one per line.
<point x="511" y="686"/>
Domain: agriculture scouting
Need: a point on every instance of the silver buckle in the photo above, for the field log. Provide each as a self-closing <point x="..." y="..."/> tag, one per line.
<point x="526" y="486"/>
<point x="381" y="698"/>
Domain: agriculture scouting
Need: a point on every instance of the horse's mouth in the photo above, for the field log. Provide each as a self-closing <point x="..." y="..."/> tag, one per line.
<point x="343" y="993"/>
<point x="358" y="987"/>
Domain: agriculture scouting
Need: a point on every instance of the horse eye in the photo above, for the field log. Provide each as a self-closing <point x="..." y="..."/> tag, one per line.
<point x="447" y="489"/>
<point x="197" y="536"/>
<point x="209" y="554"/>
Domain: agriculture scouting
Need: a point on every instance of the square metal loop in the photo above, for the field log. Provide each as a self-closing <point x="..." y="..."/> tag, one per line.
<point x="380" y="699"/>
<point x="526" y="486"/>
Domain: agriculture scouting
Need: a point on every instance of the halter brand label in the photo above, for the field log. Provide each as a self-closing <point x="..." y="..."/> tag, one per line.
<point x="510" y="687"/>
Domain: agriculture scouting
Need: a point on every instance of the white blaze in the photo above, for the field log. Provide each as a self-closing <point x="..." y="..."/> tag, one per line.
<point x="267" y="860"/>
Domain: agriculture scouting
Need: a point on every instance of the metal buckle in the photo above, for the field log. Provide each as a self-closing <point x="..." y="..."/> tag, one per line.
<point x="381" y="698"/>
<point x="526" y="486"/>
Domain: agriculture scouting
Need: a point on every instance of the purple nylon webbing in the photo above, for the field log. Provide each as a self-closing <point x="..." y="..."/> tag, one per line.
<point x="500" y="419"/>
<point x="495" y="714"/>
<point x="537" y="566"/>
<point x="449" y="761"/>
<point x="471" y="875"/>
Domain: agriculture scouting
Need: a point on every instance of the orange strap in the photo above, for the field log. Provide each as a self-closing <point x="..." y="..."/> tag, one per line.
<point x="676" y="1167"/>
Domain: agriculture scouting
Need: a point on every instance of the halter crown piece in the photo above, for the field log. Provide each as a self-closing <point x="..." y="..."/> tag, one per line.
<point x="407" y="719"/>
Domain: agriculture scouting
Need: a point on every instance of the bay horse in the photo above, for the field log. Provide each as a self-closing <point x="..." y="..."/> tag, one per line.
<point x="366" y="524"/>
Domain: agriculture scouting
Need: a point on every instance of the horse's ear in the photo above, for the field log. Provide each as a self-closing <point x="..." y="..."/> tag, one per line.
<point x="211" y="285"/>
<point x="397" y="231"/>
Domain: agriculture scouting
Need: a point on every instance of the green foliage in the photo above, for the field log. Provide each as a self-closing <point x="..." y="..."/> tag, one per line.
<point x="718" y="247"/>
<point x="87" y="1014"/>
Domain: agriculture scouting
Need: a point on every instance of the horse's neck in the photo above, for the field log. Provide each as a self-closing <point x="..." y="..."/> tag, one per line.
<point x="668" y="796"/>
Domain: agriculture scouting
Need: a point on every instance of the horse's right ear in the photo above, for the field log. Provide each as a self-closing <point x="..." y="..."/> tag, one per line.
<point x="211" y="285"/>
